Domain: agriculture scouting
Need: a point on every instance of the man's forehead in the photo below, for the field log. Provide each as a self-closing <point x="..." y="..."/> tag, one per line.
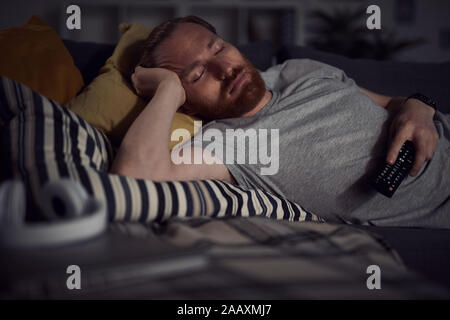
<point x="183" y="46"/>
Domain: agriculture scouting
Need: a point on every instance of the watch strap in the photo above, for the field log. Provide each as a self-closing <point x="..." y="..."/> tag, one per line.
<point x="428" y="101"/>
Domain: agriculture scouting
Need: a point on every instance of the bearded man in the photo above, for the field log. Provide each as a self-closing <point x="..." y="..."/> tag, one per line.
<point x="333" y="135"/>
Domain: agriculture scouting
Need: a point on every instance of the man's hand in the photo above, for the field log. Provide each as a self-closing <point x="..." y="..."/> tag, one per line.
<point x="147" y="80"/>
<point x="144" y="152"/>
<point x="413" y="121"/>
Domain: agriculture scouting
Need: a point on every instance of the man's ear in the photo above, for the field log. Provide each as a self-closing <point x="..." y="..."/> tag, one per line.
<point x="187" y="110"/>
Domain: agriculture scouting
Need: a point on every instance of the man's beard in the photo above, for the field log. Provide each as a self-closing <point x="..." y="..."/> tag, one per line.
<point x="250" y="94"/>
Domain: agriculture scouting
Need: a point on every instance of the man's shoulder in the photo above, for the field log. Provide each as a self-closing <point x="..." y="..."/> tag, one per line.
<point x="295" y="63"/>
<point x="284" y="74"/>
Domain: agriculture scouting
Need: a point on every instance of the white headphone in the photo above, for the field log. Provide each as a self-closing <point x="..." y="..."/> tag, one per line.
<point x="73" y="215"/>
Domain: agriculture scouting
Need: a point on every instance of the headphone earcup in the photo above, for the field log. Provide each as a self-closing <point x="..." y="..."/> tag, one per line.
<point x="62" y="199"/>
<point x="75" y="215"/>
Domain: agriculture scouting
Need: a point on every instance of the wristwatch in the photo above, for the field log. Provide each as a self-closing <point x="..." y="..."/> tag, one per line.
<point x="428" y="101"/>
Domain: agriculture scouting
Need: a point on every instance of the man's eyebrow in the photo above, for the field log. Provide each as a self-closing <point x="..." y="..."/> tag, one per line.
<point x="211" y="42"/>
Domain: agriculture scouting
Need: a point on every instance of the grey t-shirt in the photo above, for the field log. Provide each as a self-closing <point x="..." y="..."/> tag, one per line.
<point x="332" y="138"/>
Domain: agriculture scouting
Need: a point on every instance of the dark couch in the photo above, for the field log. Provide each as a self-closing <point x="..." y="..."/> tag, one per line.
<point x="426" y="251"/>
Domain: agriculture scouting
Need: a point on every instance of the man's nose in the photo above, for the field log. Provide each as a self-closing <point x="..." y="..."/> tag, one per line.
<point x="221" y="69"/>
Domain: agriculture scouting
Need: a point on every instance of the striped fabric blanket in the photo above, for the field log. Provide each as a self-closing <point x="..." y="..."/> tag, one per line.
<point x="42" y="141"/>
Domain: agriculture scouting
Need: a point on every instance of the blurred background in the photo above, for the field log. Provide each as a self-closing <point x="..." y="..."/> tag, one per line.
<point x="411" y="30"/>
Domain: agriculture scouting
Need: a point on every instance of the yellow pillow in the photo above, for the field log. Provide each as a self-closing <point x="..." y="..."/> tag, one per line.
<point x="109" y="102"/>
<point x="34" y="55"/>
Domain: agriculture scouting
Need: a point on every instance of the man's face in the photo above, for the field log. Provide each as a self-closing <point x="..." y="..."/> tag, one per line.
<point x="219" y="82"/>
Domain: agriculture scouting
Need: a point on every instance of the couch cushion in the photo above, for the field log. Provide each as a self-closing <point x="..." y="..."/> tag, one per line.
<point x="34" y="54"/>
<point x="385" y="77"/>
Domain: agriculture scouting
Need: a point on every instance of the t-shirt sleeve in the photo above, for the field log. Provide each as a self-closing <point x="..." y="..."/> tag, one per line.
<point x="188" y="141"/>
<point x="202" y="140"/>
<point x="214" y="132"/>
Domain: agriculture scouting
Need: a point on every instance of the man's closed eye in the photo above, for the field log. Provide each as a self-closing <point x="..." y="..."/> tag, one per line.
<point x="200" y="75"/>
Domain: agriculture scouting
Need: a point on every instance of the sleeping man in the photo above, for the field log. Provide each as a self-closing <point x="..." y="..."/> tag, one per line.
<point x="331" y="136"/>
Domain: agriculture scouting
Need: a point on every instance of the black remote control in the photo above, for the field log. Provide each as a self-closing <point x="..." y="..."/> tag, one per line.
<point x="390" y="177"/>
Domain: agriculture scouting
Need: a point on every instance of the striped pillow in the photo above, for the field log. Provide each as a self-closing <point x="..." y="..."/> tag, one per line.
<point x="42" y="141"/>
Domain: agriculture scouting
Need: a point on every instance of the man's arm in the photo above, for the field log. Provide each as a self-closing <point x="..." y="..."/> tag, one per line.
<point x="144" y="152"/>
<point x="390" y="103"/>
<point x="413" y="120"/>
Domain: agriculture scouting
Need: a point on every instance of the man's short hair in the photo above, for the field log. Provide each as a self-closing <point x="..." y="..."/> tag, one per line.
<point x="162" y="32"/>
